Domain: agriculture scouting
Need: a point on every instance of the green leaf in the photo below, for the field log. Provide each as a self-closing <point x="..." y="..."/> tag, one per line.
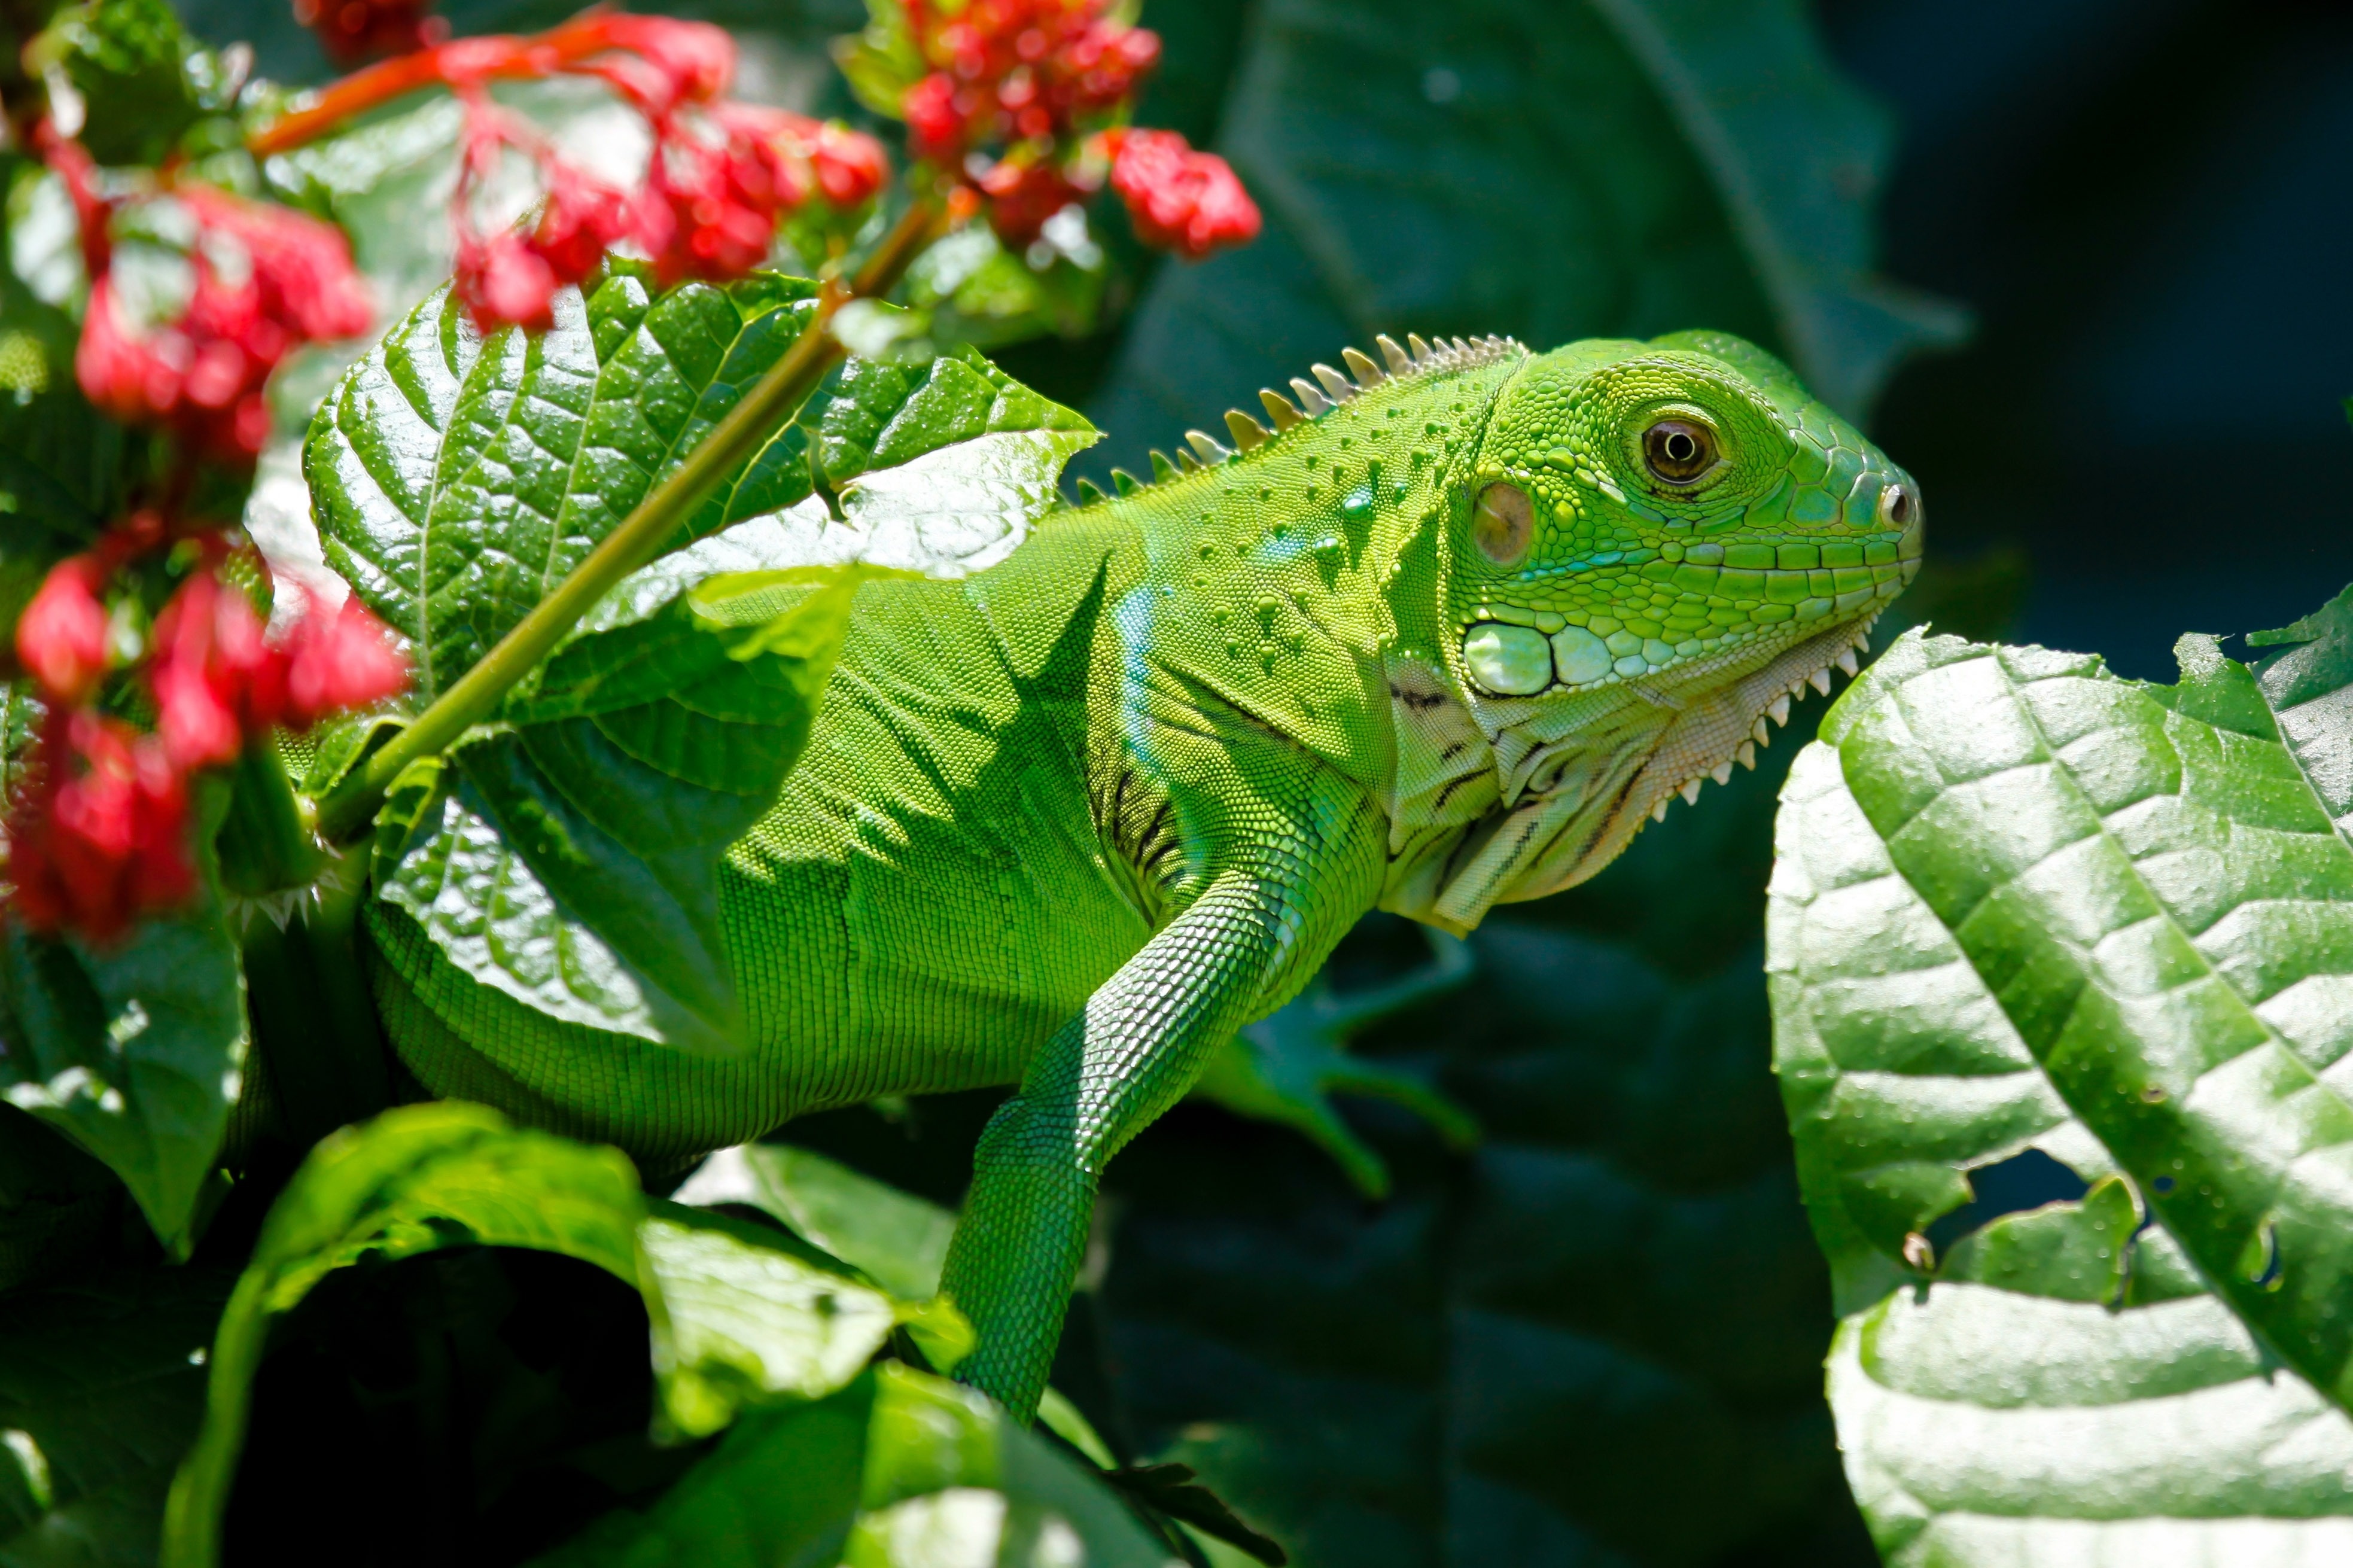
<point x="951" y="1480"/>
<point x="573" y="861"/>
<point x="880" y="61"/>
<point x="1985" y="1426"/>
<point x="1622" y="168"/>
<point x="569" y="857"/>
<point x="907" y="1470"/>
<point x="780" y="1489"/>
<point x="128" y="58"/>
<point x="135" y="1051"/>
<point x="736" y="1318"/>
<point x="101" y="1384"/>
<point x="2022" y="904"/>
<point x="2155" y="897"/>
<point x="898" y="1239"/>
<point x="456" y="478"/>
<point x="749" y="1322"/>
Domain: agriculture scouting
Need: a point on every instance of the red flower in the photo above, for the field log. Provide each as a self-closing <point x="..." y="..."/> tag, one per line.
<point x="1181" y="200"/>
<point x="337" y="659"/>
<point x="720" y="197"/>
<point x="1020" y="70"/>
<point x="61" y="636"/>
<point x="850" y="165"/>
<point x="218" y="683"/>
<point x="933" y="117"/>
<point x="354" y="30"/>
<point x="100" y="834"/>
<point x="215" y="678"/>
<point x="1023" y="196"/>
<point x="264" y="279"/>
<point x="666" y="62"/>
<point x="504" y="281"/>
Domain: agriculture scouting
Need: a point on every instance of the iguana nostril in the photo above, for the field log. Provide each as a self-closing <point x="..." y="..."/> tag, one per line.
<point x="1896" y="506"/>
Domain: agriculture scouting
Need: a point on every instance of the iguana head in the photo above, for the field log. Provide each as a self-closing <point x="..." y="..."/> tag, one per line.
<point x="1655" y="546"/>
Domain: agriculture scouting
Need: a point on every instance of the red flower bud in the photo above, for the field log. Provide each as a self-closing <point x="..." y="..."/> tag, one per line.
<point x="216" y="680"/>
<point x="337" y="659"/>
<point x="1181" y="200"/>
<point x="204" y="372"/>
<point x="100" y="837"/>
<point x="850" y="165"/>
<point x="61" y="636"/>
<point x="934" y="120"/>
<point x="720" y="197"/>
<point x="505" y="280"/>
<point x="670" y="62"/>
<point x="1022" y="196"/>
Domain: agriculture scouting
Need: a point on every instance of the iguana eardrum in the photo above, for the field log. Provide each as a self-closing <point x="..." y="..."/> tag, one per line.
<point x="1445" y="637"/>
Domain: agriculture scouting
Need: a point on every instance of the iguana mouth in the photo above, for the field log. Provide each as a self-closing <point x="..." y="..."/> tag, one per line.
<point x="1720" y="729"/>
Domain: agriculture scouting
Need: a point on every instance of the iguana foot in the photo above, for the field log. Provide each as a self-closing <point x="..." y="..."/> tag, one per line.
<point x="1285" y="1068"/>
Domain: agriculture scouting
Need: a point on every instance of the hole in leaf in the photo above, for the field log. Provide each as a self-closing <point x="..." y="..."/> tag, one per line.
<point x="2027" y="1180"/>
<point x="2162" y="1185"/>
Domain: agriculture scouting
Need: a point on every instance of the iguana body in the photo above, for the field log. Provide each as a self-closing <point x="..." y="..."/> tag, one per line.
<point x="1072" y="821"/>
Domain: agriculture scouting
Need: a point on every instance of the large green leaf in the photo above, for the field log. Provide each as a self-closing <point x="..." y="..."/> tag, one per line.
<point x="1617" y="169"/>
<point x="134" y="1050"/>
<point x="101" y="1384"/>
<point x="2020" y="904"/>
<point x="569" y="856"/>
<point x="737" y="1318"/>
<point x="456" y="478"/>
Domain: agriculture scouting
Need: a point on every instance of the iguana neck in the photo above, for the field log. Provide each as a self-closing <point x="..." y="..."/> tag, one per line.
<point x="1280" y="582"/>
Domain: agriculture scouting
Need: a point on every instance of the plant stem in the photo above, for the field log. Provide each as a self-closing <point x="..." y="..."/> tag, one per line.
<point x="493" y="56"/>
<point x="775" y="397"/>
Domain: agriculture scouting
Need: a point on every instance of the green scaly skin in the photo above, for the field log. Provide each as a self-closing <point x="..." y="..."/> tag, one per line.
<point x="1073" y="821"/>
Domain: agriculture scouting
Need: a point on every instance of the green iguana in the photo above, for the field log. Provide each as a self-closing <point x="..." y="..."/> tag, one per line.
<point x="1445" y="637"/>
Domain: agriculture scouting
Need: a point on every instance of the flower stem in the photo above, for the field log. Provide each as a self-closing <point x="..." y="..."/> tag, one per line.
<point x="775" y="397"/>
<point x="462" y="62"/>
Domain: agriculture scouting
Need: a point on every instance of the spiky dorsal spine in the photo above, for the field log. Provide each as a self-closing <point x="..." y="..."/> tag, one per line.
<point x="1333" y="387"/>
<point x="1416" y="357"/>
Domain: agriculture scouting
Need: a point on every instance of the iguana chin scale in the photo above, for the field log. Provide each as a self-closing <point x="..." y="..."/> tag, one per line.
<point x="1445" y="639"/>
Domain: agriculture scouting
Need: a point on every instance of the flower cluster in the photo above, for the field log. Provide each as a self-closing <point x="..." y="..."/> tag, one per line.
<point x="721" y="176"/>
<point x="97" y="830"/>
<point x="261" y="281"/>
<point x="1048" y="82"/>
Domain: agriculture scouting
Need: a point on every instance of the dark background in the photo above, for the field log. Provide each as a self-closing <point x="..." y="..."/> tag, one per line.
<point x="1597" y="1338"/>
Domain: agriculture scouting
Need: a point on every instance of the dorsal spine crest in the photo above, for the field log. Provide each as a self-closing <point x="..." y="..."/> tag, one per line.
<point x="1330" y="388"/>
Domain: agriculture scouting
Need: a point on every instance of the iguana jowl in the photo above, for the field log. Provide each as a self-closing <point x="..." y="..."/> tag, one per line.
<point x="1444" y="639"/>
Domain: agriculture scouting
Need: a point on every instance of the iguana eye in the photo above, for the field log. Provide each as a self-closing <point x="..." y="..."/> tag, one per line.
<point x="1679" y="451"/>
<point x="1504" y="524"/>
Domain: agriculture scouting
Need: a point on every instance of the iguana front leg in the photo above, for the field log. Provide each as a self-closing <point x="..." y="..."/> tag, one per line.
<point x="1250" y="936"/>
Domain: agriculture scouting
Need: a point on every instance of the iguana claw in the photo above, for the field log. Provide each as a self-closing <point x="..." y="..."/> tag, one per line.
<point x="1285" y="1068"/>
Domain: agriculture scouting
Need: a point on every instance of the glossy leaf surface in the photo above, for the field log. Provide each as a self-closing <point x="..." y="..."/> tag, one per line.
<point x="2023" y="905"/>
